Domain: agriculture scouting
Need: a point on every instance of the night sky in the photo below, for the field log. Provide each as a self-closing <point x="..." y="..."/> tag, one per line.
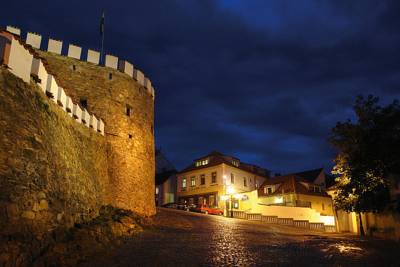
<point x="261" y="80"/>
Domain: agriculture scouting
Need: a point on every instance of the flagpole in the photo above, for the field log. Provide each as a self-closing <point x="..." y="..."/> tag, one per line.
<point x="102" y="39"/>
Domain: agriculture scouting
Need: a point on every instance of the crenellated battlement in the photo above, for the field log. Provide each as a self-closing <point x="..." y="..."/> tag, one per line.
<point x="115" y="100"/>
<point x="90" y="55"/>
<point x="25" y="63"/>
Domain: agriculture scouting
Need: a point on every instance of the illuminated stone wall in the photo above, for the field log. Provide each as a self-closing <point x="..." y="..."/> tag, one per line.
<point x="108" y="93"/>
<point x="53" y="170"/>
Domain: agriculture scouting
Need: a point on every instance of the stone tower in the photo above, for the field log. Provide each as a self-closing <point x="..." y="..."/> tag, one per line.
<point x="127" y="109"/>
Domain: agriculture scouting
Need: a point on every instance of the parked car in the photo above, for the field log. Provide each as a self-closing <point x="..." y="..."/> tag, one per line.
<point x="181" y="206"/>
<point x="211" y="210"/>
<point x="170" y="205"/>
<point x="193" y="207"/>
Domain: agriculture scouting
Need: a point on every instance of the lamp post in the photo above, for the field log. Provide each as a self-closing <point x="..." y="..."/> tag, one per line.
<point x="230" y="191"/>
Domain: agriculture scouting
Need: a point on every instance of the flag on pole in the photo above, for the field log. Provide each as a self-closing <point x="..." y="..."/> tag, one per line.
<point x="102" y="24"/>
<point x="102" y="39"/>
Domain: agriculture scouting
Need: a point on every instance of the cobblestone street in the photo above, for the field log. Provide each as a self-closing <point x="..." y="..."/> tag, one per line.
<point x="180" y="238"/>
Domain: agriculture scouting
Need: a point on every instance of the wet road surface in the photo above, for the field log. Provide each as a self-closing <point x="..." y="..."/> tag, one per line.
<point x="189" y="239"/>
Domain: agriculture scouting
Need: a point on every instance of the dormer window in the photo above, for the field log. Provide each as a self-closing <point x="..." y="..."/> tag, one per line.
<point x="267" y="190"/>
<point x="316" y="189"/>
<point x="235" y="162"/>
<point x="201" y="162"/>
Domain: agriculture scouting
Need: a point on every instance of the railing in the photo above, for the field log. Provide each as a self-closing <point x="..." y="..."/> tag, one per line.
<point x="301" y="223"/>
<point x="317" y="226"/>
<point x="239" y="214"/>
<point x="254" y="216"/>
<point x="269" y="219"/>
<point x="285" y="221"/>
<point x="330" y="228"/>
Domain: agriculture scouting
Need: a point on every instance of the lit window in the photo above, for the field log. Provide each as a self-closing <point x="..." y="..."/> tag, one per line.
<point x="232" y="178"/>
<point x="235" y="163"/>
<point x="244" y="181"/>
<point x="201" y="162"/>
<point x="213" y="177"/>
<point x="193" y="181"/>
<point x="202" y="179"/>
<point x="183" y="182"/>
<point x="265" y="190"/>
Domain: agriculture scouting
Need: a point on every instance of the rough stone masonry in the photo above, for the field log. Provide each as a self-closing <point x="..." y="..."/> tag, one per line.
<point x="109" y="94"/>
<point x="57" y="172"/>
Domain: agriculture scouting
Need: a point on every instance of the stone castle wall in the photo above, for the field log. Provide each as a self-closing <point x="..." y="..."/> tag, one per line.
<point x="74" y="171"/>
<point x="108" y="94"/>
<point x="53" y="170"/>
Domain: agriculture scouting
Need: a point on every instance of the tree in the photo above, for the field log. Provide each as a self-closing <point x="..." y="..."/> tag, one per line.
<point x="368" y="154"/>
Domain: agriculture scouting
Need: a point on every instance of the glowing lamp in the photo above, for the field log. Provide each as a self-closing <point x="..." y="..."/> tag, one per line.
<point x="238" y="196"/>
<point x="278" y="200"/>
<point x="224" y="198"/>
<point x="230" y="190"/>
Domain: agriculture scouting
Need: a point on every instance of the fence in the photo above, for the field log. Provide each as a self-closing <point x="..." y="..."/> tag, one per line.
<point x="284" y="221"/>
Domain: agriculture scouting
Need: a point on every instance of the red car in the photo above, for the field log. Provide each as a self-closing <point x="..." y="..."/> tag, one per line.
<point x="210" y="210"/>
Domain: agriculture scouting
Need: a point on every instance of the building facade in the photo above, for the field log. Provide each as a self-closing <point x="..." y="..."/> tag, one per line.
<point x="294" y="190"/>
<point x="211" y="178"/>
<point x="165" y="180"/>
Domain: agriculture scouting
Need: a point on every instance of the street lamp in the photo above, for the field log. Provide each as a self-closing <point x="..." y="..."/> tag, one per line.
<point x="230" y="191"/>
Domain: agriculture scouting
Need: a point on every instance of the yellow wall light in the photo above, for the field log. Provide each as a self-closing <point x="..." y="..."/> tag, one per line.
<point x="224" y="198"/>
<point x="230" y="190"/>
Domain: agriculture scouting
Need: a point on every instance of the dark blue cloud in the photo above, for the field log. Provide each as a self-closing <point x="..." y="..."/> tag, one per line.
<point x="262" y="80"/>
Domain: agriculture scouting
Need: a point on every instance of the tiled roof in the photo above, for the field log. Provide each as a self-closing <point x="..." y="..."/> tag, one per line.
<point x="216" y="158"/>
<point x="310" y="175"/>
<point x="291" y="183"/>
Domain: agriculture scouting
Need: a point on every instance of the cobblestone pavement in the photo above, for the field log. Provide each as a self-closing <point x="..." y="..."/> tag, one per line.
<point x="180" y="238"/>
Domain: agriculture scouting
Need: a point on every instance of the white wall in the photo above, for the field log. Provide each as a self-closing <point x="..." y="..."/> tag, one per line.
<point x="54" y="46"/>
<point x="74" y="51"/>
<point x="111" y="61"/>
<point x="39" y="70"/>
<point x="139" y="76"/>
<point x="14" y="30"/>
<point x="20" y="61"/>
<point x="34" y="39"/>
<point x="93" y="56"/>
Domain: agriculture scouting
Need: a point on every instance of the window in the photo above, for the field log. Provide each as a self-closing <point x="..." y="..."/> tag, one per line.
<point x="267" y="190"/>
<point x="128" y="110"/>
<point x="130" y="136"/>
<point x="110" y="76"/>
<point x="202" y="179"/>
<point x="212" y="201"/>
<point x="213" y="177"/>
<point x="235" y="163"/>
<point x="201" y="162"/>
<point x="317" y="189"/>
<point x="193" y="181"/>
<point x="83" y="102"/>
<point x="183" y="182"/>
<point x="73" y="67"/>
<point x="232" y="178"/>
<point x="244" y="181"/>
